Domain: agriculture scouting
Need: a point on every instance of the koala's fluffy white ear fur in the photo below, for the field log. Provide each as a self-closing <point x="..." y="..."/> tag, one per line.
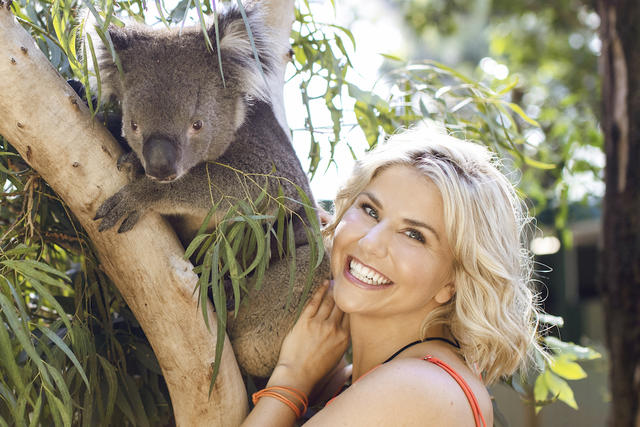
<point x="108" y="71"/>
<point x="236" y="49"/>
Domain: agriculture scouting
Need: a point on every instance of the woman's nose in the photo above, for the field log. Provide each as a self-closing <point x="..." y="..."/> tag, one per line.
<point x="376" y="240"/>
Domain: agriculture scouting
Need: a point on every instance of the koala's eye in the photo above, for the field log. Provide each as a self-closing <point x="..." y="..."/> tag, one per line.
<point x="134" y="125"/>
<point x="197" y="125"/>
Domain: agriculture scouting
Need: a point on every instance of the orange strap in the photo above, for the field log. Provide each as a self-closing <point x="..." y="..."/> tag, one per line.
<point x="475" y="408"/>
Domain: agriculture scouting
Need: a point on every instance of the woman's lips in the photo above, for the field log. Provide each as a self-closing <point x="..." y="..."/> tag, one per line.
<point x="356" y="281"/>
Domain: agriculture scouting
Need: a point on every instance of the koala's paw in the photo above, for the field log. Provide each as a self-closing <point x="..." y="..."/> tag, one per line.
<point x="120" y="205"/>
<point x="131" y="165"/>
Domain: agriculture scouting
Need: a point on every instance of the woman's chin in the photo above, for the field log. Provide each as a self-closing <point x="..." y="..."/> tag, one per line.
<point x="351" y="298"/>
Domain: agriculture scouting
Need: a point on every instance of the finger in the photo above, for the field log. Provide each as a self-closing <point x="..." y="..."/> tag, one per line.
<point x="316" y="299"/>
<point x="345" y="322"/>
<point x="326" y="306"/>
<point x="336" y="314"/>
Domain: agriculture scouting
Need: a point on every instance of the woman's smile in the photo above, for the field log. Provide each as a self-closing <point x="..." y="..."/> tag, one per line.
<point x="364" y="275"/>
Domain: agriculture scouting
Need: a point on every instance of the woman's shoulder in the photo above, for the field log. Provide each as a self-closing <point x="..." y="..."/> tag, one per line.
<point x="407" y="391"/>
<point x="448" y="363"/>
<point x="434" y="389"/>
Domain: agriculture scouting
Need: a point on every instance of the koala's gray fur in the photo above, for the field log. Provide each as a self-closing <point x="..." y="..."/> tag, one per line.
<point x="177" y="115"/>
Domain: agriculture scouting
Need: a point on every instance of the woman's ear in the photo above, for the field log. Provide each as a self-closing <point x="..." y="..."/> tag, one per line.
<point x="445" y="293"/>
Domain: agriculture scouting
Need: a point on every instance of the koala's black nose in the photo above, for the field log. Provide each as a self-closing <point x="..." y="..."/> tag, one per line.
<point x="160" y="158"/>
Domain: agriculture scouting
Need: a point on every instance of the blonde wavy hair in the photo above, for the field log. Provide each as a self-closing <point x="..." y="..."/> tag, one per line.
<point x="493" y="313"/>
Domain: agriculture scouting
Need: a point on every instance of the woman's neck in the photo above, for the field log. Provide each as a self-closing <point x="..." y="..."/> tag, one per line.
<point x="375" y="339"/>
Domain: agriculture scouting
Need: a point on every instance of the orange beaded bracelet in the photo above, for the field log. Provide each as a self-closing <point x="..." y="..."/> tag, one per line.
<point x="284" y="394"/>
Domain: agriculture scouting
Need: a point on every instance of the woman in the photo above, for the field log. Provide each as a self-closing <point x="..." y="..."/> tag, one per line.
<point x="428" y="264"/>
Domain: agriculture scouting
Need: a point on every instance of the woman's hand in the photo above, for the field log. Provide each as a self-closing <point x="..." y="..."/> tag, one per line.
<point x="310" y="351"/>
<point x="315" y="344"/>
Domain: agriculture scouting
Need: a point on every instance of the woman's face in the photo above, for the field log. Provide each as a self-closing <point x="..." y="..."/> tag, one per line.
<point x="390" y="255"/>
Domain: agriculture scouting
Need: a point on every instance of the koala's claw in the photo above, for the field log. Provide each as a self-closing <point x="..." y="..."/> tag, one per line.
<point x="105" y="225"/>
<point x="129" y="222"/>
<point x="109" y="221"/>
<point x="114" y="209"/>
<point x="107" y="206"/>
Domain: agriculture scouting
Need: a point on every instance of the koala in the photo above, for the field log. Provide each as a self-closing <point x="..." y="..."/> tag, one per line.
<point x="190" y="129"/>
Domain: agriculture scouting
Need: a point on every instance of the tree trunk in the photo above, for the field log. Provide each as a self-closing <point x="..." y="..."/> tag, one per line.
<point x="620" y="67"/>
<point x="52" y="130"/>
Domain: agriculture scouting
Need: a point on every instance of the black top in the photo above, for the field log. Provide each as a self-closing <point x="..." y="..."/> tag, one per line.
<point x="455" y="344"/>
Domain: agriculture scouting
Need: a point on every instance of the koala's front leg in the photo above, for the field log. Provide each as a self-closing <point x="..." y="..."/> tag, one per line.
<point x="130" y="203"/>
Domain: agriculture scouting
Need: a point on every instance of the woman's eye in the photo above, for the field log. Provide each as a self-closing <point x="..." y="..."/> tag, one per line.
<point x="416" y="235"/>
<point x="369" y="210"/>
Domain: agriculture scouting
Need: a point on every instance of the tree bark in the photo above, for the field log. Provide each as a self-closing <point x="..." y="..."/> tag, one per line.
<point x="620" y="67"/>
<point x="52" y="130"/>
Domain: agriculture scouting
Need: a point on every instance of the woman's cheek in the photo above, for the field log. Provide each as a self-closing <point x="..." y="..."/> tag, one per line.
<point x="336" y="250"/>
<point x="339" y="244"/>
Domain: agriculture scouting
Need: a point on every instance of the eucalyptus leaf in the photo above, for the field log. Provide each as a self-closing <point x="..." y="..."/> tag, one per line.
<point x="564" y="366"/>
<point x="577" y="351"/>
<point x="58" y="342"/>
<point x="44" y="293"/>
<point x="9" y="398"/>
<point x="23" y="337"/>
<point x="35" y="413"/>
<point x="195" y="244"/>
<point x="551" y="320"/>
<point x="135" y="400"/>
<point x="65" y="409"/>
<point x="291" y="252"/>
<point x="7" y="360"/>
<point x="109" y="373"/>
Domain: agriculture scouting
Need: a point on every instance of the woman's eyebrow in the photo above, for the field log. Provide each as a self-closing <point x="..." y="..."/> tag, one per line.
<point x="373" y="198"/>
<point x="420" y="224"/>
<point x="411" y="222"/>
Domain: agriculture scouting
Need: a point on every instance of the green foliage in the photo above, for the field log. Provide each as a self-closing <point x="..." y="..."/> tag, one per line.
<point x="320" y="58"/>
<point x="71" y="352"/>
<point x="546" y="382"/>
<point x="466" y="107"/>
<point x="551" y="384"/>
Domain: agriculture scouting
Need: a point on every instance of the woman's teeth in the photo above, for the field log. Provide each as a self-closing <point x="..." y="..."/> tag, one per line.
<point x="366" y="275"/>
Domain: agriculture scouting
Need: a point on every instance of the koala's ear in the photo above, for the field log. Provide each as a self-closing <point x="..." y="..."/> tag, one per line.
<point x="238" y="58"/>
<point x="107" y="68"/>
<point x="120" y="37"/>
